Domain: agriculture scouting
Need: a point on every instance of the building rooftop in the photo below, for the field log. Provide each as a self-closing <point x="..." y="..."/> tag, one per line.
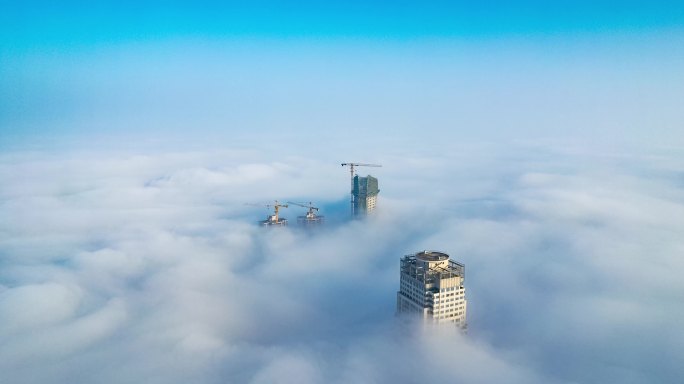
<point x="432" y="256"/>
<point x="429" y="268"/>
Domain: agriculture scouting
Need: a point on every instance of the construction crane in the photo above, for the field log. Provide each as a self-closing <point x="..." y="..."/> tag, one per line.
<point x="273" y="219"/>
<point x="310" y="217"/>
<point x="351" y="171"/>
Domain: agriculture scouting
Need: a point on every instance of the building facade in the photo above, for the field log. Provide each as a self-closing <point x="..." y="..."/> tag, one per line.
<point x="365" y="195"/>
<point x="432" y="286"/>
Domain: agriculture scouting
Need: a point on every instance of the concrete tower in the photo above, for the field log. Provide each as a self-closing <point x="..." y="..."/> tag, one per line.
<point x="431" y="286"/>
<point x="365" y="194"/>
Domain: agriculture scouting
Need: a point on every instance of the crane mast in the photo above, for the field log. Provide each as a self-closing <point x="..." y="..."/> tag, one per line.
<point x="276" y="209"/>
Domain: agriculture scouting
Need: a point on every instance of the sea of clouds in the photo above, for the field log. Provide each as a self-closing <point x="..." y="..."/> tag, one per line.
<point x="147" y="266"/>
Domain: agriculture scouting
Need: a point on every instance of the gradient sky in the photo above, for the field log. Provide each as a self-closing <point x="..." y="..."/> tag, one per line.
<point x="472" y="70"/>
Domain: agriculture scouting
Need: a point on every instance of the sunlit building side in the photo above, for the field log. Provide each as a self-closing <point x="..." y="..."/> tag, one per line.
<point x="432" y="287"/>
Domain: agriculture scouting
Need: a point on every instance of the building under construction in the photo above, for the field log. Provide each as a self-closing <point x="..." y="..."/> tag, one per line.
<point x="311" y="218"/>
<point x="432" y="287"/>
<point x="365" y="195"/>
<point x="274" y="219"/>
<point x="364" y="190"/>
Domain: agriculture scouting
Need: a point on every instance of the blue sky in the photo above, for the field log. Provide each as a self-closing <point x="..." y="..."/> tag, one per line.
<point x="497" y="69"/>
<point x="83" y="22"/>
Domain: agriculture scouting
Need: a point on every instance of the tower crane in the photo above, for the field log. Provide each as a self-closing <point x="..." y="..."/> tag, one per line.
<point x="273" y="219"/>
<point x="310" y="215"/>
<point x="351" y="171"/>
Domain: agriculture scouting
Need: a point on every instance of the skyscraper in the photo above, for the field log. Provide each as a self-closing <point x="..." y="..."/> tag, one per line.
<point x="365" y="194"/>
<point x="431" y="286"/>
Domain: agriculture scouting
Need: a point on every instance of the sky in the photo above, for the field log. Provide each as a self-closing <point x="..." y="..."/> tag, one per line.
<point x="539" y="143"/>
<point x="473" y="70"/>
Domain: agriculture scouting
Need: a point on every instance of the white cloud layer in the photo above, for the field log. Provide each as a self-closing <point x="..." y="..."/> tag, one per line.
<point x="150" y="268"/>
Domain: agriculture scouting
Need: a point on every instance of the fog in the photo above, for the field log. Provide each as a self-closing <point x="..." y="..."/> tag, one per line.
<point x="147" y="266"/>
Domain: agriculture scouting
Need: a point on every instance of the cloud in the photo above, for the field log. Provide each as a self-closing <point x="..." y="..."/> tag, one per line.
<point x="35" y="305"/>
<point x="149" y="267"/>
